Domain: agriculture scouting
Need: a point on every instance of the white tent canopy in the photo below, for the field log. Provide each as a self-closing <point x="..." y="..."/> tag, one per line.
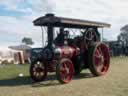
<point x="7" y="54"/>
<point x="4" y="51"/>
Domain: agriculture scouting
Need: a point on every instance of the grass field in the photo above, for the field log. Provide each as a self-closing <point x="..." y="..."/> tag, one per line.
<point x="115" y="83"/>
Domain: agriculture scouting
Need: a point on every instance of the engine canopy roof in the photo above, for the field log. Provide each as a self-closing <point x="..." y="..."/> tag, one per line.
<point x="50" y="19"/>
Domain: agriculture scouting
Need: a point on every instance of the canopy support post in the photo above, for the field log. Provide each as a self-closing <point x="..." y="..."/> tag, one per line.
<point x="50" y="30"/>
<point x="102" y="35"/>
<point x="42" y="37"/>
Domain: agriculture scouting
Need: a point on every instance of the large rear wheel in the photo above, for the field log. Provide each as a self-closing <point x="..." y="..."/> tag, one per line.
<point x="99" y="59"/>
<point x="38" y="71"/>
<point x="65" y="70"/>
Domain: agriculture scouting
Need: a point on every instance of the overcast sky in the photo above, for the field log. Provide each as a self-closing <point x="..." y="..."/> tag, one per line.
<point x="16" y="16"/>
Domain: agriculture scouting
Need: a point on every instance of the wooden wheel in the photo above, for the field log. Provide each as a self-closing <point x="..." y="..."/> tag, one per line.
<point x="38" y="71"/>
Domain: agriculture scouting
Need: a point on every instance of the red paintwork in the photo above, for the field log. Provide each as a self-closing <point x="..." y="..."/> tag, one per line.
<point x="66" y="71"/>
<point x="20" y="58"/>
<point x="65" y="52"/>
<point x="69" y="51"/>
<point x="101" y="58"/>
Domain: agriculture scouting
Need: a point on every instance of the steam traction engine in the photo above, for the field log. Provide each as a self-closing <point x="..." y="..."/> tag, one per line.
<point x="69" y="52"/>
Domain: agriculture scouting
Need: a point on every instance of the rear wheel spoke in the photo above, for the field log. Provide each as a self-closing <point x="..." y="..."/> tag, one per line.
<point x="99" y="59"/>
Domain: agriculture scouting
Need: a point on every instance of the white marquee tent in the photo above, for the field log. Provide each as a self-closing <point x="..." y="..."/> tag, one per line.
<point x="8" y="55"/>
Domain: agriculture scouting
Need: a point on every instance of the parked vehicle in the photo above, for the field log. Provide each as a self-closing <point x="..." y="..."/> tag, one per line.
<point x="69" y="52"/>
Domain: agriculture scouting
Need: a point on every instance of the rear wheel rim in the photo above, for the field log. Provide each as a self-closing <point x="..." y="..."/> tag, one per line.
<point x="101" y="58"/>
<point x="66" y="71"/>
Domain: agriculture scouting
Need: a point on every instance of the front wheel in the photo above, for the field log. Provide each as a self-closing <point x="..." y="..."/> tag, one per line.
<point x="99" y="59"/>
<point x="64" y="70"/>
<point x="38" y="71"/>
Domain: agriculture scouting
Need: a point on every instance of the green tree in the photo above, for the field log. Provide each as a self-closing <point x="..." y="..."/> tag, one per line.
<point x="27" y="41"/>
<point x="123" y="36"/>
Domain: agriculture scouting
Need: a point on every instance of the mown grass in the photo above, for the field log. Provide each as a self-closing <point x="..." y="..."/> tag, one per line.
<point x="11" y="70"/>
<point x="114" y="83"/>
<point x="9" y="75"/>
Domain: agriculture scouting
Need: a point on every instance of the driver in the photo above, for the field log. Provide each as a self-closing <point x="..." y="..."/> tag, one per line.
<point x="61" y="37"/>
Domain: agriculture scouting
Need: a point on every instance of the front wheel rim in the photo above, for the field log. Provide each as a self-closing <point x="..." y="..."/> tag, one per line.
<point x="38" y="71"/>
<point x="66" y="71"/>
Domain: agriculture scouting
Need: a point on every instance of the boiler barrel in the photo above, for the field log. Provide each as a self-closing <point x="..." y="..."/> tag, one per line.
<point x="66" y="52"/>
